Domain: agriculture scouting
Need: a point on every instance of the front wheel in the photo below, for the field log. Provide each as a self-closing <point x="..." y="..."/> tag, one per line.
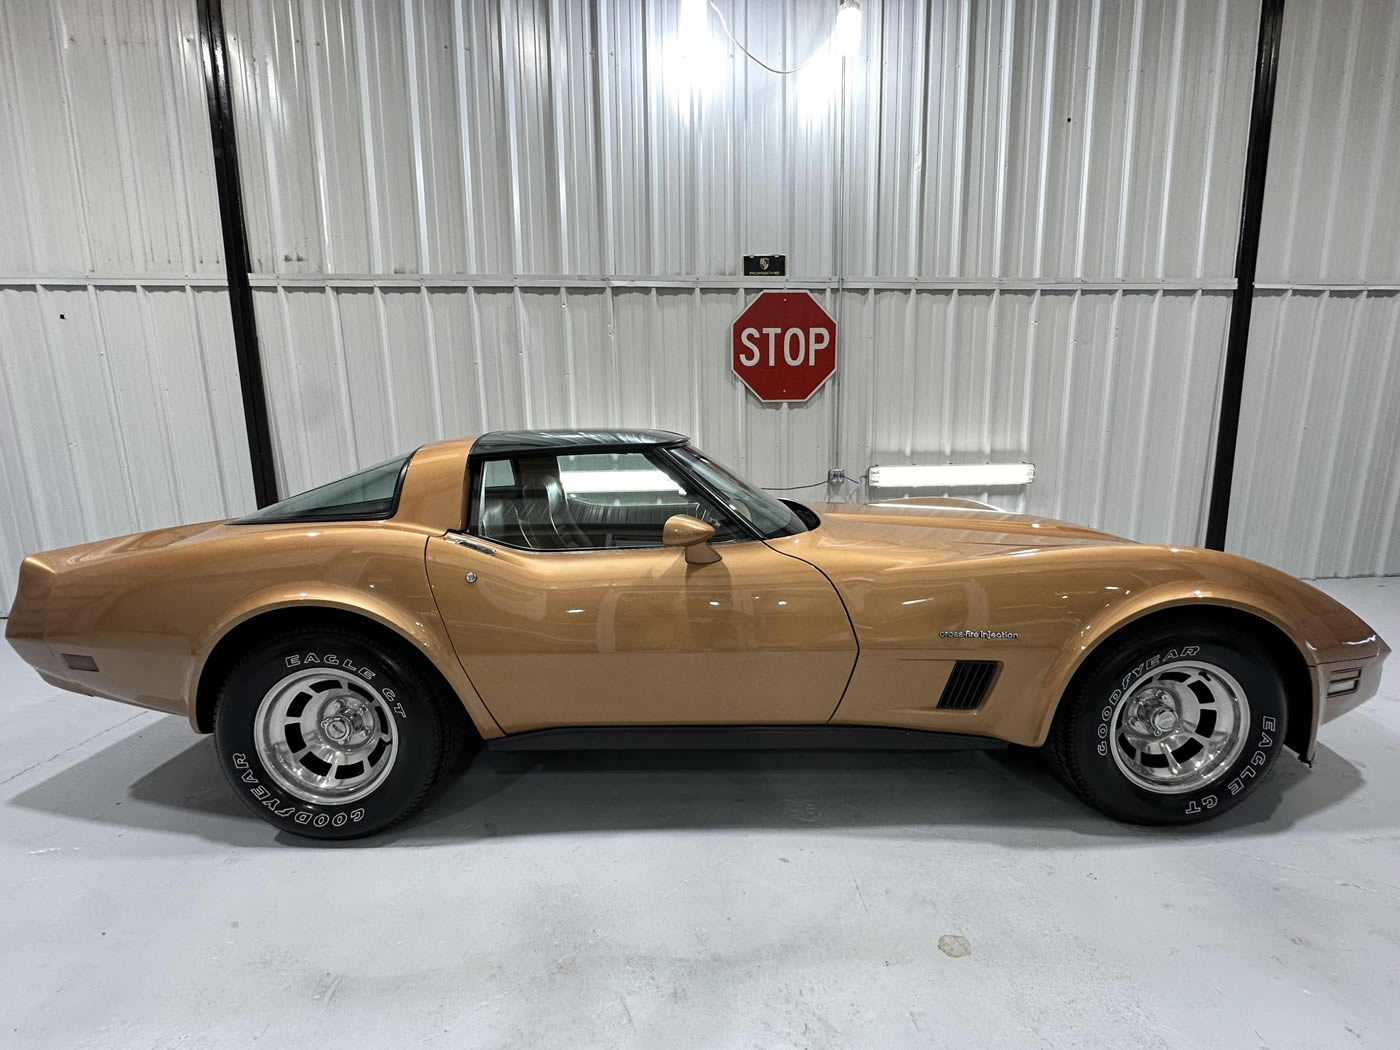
<point x="1171" y="726"/>
<point x="331" y="734"/>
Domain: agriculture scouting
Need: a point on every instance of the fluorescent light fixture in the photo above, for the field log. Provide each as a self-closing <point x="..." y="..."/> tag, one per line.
<point x="952" y="476"/>
<point x="845" y="38"/>
<point x="606" y="481"/>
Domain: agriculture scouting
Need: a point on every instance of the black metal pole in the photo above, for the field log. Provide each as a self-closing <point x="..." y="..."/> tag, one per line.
<point x="1261" y="119"/>
<point x="214" y="49"/>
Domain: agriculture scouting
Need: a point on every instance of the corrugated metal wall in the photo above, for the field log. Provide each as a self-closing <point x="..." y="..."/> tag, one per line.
<point x="119" y="398"/>
<point x="467" y="215"/>
<point x="1317" y="490"/>
<point x="471" y="215"/>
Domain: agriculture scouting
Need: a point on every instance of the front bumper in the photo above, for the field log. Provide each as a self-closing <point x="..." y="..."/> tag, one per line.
<point x="1347" y="684"/>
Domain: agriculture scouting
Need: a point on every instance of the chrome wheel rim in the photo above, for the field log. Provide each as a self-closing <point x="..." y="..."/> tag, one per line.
<point x="325" y="737"/>
<point x="1180" y="727"/>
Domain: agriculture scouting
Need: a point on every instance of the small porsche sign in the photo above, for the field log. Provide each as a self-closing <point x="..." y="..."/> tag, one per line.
<point x="784" y="346"/>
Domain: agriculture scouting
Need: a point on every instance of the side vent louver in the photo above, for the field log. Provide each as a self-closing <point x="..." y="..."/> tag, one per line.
<point x="968" y="684"/>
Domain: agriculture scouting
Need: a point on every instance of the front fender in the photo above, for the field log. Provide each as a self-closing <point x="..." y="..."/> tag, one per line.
<point x="1320" y="629"/>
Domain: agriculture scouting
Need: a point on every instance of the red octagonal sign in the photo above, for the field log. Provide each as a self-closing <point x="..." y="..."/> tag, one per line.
<point x="784" y="346"/>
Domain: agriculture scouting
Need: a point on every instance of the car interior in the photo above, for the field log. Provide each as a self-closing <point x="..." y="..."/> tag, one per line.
<point x="600" y="501"/>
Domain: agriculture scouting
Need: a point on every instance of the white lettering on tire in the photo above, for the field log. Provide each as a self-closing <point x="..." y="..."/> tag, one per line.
<point x="344" y="663"/>
<point x="1260" y="758"/>
<point x="299" y="814"/>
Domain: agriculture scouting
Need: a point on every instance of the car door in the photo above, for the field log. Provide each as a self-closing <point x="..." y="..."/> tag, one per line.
<point x="566" y="609"/>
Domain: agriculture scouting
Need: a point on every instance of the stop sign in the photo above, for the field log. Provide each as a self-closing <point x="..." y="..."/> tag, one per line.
<point x="784" y="346"/>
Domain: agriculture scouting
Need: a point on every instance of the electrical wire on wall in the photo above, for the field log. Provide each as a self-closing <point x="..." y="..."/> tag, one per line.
<point x="831" y="479"/>
<point x="845" y="42"/>
<point x="845" y="33"/>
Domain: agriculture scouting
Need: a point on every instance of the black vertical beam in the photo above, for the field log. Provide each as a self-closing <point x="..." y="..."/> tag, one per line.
<point x="214" y="49"/>
<point x="1261" y="120"/>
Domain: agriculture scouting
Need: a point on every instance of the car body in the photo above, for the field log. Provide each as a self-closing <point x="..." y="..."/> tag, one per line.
<point x="529" y="573"/>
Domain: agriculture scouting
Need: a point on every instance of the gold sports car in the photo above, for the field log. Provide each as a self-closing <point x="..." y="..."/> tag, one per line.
<point x="551" y="589"/>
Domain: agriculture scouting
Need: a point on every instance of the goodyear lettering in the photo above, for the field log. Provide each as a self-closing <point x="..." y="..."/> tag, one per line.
<point x="300" y="816"/>
<point x="1257" y="761"/>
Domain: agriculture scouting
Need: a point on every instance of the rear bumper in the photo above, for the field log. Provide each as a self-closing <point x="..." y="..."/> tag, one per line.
<point x="25" y="628"/>
<point x="26" y="622"/>
<point x="47" y="630"/>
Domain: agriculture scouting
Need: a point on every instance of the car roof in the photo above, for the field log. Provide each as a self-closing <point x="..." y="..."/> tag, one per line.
<point x="510" y="442"/>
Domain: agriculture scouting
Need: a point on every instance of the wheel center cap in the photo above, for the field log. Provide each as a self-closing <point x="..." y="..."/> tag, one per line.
<point x="1163" y="720"/>
<point x="337" y="728"/>
<point x="347" y="723"/>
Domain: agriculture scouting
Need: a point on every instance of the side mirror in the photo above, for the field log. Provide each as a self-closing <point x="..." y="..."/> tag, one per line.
<point x="681" y="530"/>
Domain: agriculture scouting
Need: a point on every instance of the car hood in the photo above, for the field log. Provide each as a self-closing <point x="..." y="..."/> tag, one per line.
<point x="949" y="528"/>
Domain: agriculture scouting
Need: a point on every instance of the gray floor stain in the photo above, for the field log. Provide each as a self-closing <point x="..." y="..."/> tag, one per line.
<point x="954" y="945"/>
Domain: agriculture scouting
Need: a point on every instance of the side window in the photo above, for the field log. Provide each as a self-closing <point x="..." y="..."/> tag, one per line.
<point x="370" y="495"/>
<point x="590" y="501"/>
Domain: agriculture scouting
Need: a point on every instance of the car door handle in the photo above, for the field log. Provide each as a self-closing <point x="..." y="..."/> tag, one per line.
<point x="463" y="541"/>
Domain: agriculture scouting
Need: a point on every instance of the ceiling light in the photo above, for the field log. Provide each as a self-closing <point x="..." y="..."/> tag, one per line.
<point x="695" y="18"/>
<point x="952" y="476"/>
<point x="845" y="38"/>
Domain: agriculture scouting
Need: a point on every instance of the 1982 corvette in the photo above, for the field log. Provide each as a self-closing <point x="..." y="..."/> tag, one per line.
<point x="543" y="589"/>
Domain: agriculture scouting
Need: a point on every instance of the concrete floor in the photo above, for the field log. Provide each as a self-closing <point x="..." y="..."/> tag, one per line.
<point x="692" y="900"/>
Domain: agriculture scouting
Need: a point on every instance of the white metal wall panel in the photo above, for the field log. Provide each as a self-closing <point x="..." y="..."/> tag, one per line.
<point x="358" y="373"/>
<point x="531" y="212"/>
<point x="1332" y="203"/>
<point x="119" y="399"/>
<point x="1092" y="141"/>
<point x="1317" y="480"/>
<point x="104" y="143"/>
<point x="1105" y="389"/>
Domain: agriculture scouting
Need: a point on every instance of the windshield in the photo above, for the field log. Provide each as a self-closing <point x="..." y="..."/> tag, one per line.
<point x="365" y="496"/>
<point x="765" y="513"/>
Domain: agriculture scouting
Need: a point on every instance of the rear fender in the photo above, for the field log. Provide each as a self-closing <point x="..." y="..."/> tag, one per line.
<point x="416" y="622"/>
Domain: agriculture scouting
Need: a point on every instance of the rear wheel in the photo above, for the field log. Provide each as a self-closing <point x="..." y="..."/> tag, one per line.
<point x="333" y="734"/>
<point x="1171" y="725"/>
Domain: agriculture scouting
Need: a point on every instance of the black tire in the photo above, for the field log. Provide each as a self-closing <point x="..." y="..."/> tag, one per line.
<point x="428" y="730"/>
<point x="1080" y="745"/>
